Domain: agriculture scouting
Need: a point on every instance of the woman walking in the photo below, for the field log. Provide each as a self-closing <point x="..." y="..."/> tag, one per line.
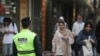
<point x="61" y="43"/>
<point x="87" y="40"/>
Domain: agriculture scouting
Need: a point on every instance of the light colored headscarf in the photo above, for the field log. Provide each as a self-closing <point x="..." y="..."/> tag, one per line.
<point x="61" y="18"/>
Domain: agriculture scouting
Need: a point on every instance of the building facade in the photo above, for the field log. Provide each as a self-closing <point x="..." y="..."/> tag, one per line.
<point x="45" y="13"/>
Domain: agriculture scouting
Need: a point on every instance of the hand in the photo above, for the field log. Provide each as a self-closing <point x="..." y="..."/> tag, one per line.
<point x="74" y="35"/>
<point x="53" y="53"/>
<point x="6" y="32"/>
<point x="9" y="32"/>
<point x="92" y="41"/>
<point x="65" y="38"/>
<point x="12" y="32"/>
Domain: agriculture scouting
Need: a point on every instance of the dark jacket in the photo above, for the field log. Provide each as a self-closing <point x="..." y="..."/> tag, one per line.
<point x="37" y="45"/>
<point x="82" y="36"/>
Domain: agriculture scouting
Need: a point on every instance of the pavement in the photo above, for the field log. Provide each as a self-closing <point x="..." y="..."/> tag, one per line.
<point x="48" y="53"/>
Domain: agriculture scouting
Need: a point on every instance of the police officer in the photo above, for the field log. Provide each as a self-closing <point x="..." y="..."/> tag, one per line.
<point x="26" y="43"/>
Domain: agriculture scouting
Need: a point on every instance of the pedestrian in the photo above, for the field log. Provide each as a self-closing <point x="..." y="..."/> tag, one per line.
<point x="61" y="18"/>
<point x="26" y="42"/>
<point x="87" y="40"/>
<point x="77" y="27"/>
<point x="9" y="30"/>
<point x="93" y="23"/>
<point x="98" y="37"/>
<point x="62" y="40"/>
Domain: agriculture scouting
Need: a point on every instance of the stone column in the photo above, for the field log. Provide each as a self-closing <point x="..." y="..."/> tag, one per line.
<point x="23" y="10"/>
<point x="43" y="24"/>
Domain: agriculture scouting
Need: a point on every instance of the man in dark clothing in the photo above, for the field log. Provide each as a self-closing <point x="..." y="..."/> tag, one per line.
<point x="23" y="40"/>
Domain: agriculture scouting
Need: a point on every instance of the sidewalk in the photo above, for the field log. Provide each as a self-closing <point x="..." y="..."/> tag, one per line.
<point x="47" y="53"/>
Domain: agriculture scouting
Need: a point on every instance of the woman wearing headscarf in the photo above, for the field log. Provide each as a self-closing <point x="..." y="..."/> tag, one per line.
<point x="61" y="18"/>
<point x="87" y="40"/>
<point x="62" y="40"/>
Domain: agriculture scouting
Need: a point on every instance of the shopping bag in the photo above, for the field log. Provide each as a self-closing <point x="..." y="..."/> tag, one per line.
<point x="87" y="49"/>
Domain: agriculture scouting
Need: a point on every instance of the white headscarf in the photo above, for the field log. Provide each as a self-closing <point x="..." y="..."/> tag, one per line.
<point x="61" y="18"/>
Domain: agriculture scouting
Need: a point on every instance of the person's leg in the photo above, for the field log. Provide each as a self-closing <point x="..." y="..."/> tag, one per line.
<point x="76" y="50"/>
<point x="73" y="52"/>
<point x="5" y="48"/>
<point x="75" y="47"/>
<point x="10" y="49"/>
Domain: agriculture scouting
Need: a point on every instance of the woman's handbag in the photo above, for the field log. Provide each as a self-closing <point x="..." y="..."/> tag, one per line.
<point x="87" y="49"/>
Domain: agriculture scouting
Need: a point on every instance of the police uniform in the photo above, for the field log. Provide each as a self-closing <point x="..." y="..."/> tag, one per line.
<point x="26" y="43"/>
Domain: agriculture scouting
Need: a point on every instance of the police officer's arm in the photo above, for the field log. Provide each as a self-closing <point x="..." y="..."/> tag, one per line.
<point x="37" y="45"/>
<point x="14" y="49"/>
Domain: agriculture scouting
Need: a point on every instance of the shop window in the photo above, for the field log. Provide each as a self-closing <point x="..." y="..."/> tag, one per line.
<point x="10" y="8"/>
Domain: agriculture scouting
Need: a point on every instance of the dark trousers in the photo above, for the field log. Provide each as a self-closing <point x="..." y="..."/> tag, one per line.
<point x="76" y="47"/>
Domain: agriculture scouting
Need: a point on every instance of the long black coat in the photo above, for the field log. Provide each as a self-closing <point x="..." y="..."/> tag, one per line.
<point x="82" y="36"/>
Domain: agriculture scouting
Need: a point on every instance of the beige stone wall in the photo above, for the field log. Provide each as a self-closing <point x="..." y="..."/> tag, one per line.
<point x="23" y="9"/>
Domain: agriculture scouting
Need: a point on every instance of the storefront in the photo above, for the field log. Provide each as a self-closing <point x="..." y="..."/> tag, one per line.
<point x="35" y="9"/>
<point x="44" y="14"/>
